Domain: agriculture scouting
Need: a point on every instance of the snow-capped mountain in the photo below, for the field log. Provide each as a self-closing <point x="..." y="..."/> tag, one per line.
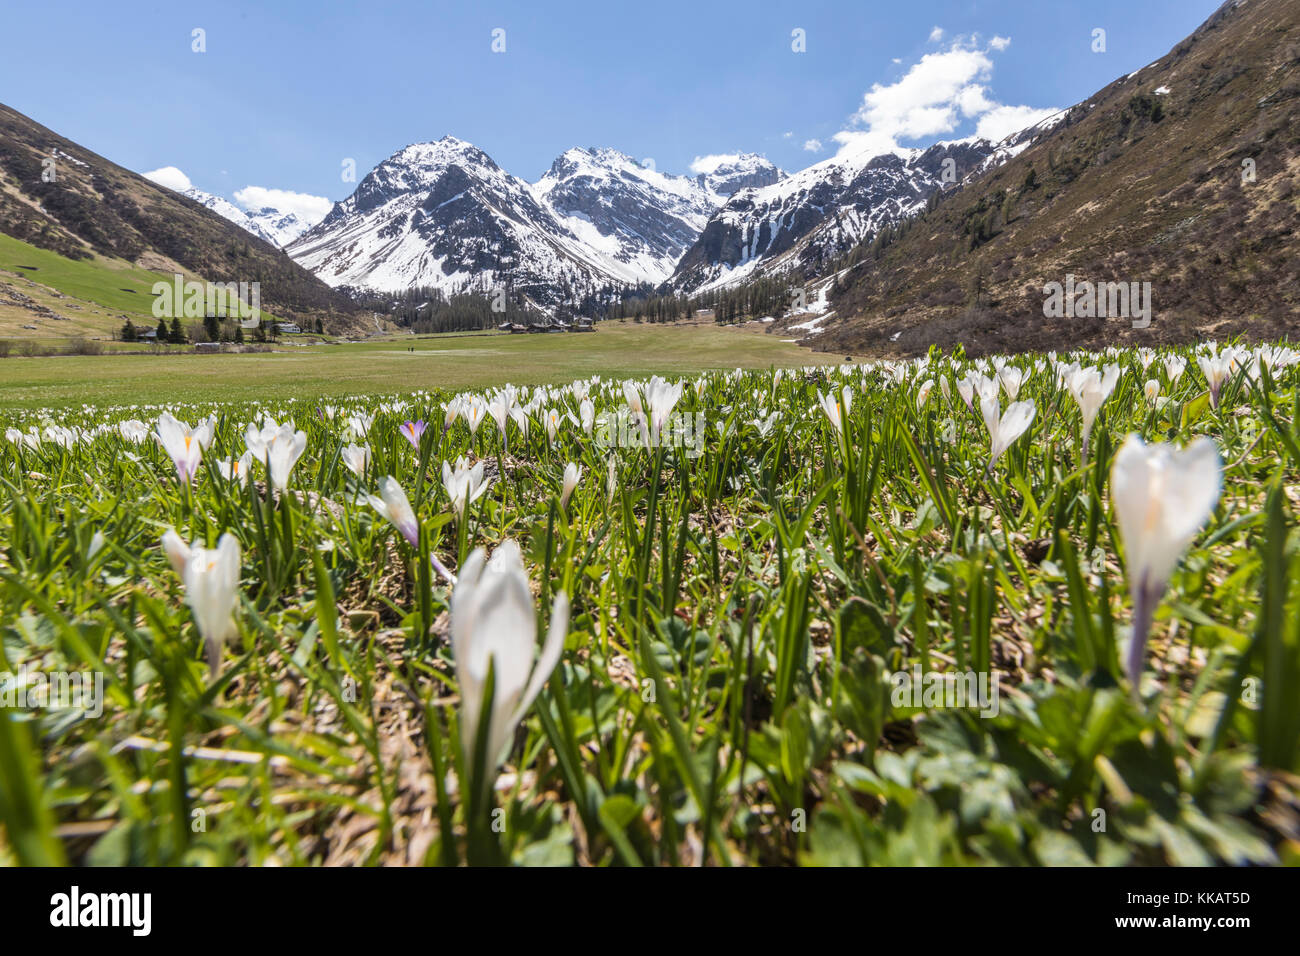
<point x="277" y="228"/>
<point x="639" y="219"/>
<point x="726" y="175"/>
<point x="444" y="214"/>
<point x="282" y="227"/>
<point x="800" y="223"/>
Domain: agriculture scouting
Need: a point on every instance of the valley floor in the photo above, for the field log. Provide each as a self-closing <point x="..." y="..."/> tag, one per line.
<point x="385" y="366"/>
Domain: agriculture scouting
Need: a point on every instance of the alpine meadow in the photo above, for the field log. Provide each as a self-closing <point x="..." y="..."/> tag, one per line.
<point x="933" y="504"/>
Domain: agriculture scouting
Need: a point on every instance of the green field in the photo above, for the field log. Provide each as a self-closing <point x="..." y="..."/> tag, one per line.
<point x="94" y="294"/>
<point x="114" y="285"/>
<point x="385" y="366"/>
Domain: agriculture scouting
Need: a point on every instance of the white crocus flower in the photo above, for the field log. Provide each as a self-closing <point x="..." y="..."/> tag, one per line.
<point x="282" y="452"/>
<point x="181" y="442"/>
<point x="520" y="416"/>
<point x="358" y="426"/>
<point x="133" y="430"/>
<point x="1174" y="366"/>
<point x="831" y="406"/>
<point x="1151" y="389"/>
<point x="494" y="625"/>
<point x="464" y="484"/>
<point x="177" y="551"/>
<point x="204" y="431"/>
<point x="662" y="399"/>
<point x="1011" y="379"/>
<point x="1008" y="427"/>
<point x="1090" y="388"/>
<point x="473" y="411"/>
<point x="257" y="439"/>
<point x="1162" y="497"/>
<point x="966" y="389"/>
<point x="500" y="408"/>
<point x="393" y="504"/>
<point x="211" y="579"/>
<point x="235" y="469"/>
<point x="1217" y="369"/>
<point x="452" y="410"/>
<point x="632" y="394"/>
<point x="765" y="425"/>
<point x="923" y="394"/>
<point x="572" y="475"/>
<point x="990" y="407"/>
<point x="587" y="415"/>
<point x="356" y="458"/>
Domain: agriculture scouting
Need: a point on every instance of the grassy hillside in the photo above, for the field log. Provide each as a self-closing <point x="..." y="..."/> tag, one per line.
<point x="1141" y="183"/>
<point x="45" y="295"/>
<point x="94" y="208"/>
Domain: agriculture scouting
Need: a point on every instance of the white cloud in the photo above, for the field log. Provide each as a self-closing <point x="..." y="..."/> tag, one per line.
<point x="1001" y="121"/>
<point x="936" y="34"/>
<point x="310" y="209"/>
<point x="171" y="177"/>
<point x="813" y="145"/>
<point x="936" y="95"/>
<point x="787" y="135"/>
<point x="973" y="100"/>
<point x="711" y="163"/>
<point x="925" y="101"/>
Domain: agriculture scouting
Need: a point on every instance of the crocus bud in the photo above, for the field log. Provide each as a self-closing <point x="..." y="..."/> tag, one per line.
<point x="1162" y="496"/>
<point x="211" y="580"/>
<point x="572" y="475"/>
<point x="493" y="623"/>
<point x="393" y="504"/>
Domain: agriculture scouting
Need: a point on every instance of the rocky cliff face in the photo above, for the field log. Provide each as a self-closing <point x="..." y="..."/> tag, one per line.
<point x="799" y="223"/>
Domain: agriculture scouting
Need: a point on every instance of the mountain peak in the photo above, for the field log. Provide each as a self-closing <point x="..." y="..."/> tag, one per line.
<point x="437" y="154"/>
<point x="728" y="174"/>
<point x="268" y="223"/>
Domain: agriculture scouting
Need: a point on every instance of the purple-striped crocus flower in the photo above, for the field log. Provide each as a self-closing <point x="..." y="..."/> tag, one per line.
<point x="412" y="431"/>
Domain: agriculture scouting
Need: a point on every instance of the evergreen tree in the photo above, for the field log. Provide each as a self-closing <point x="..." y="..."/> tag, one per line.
<point x="177" y="335"/>
<point x="128" y="331"/>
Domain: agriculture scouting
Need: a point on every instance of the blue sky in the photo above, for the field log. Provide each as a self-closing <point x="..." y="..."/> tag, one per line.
<point x="288" y="89"/>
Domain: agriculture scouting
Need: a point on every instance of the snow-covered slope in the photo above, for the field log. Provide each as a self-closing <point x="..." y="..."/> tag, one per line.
<point x="801" y="223"/>
<point x="228" y="210"/>
<point x="282" y="227"/>
<point x="277" y="228"/>
<point x="638" y="220"/>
